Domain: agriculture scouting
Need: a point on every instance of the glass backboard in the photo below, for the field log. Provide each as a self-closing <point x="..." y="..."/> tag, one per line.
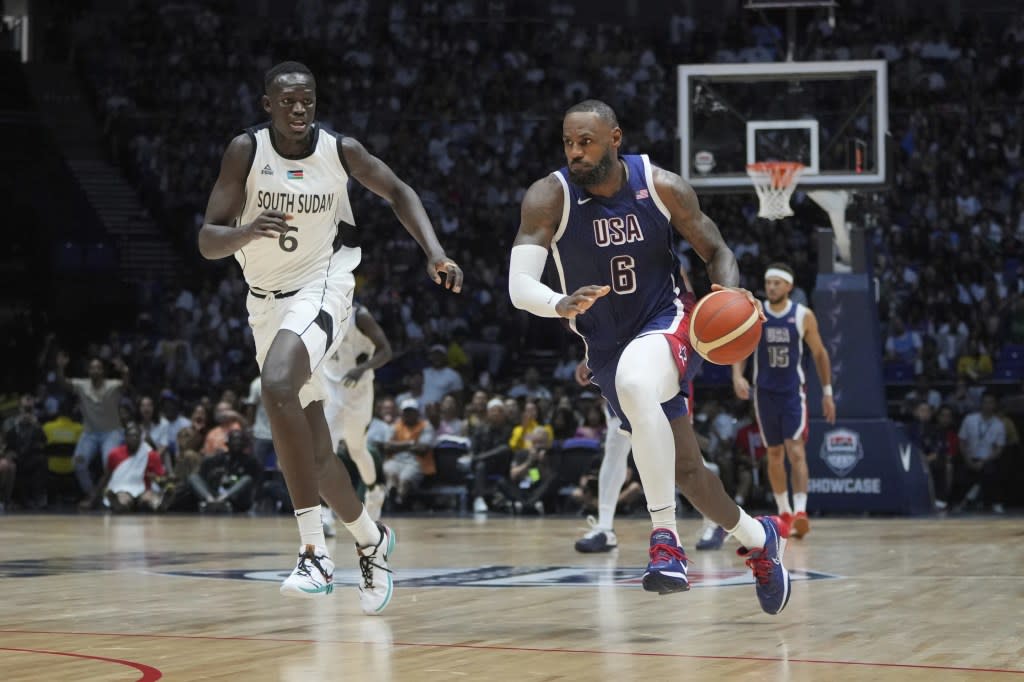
<point x="831" y="116"/>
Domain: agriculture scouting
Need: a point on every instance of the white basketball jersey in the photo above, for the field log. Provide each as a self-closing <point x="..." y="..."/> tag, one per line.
<point x="354" y="344"/>
<point x="313" y="190"/>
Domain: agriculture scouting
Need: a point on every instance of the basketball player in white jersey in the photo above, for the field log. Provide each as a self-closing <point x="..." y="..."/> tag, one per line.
<point x="281" y="207"/>
<point x="349" y="404"/>
<point x="780" y="403"/>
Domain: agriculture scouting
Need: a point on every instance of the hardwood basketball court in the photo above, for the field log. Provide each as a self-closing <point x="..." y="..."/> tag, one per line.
<point x="195" y="598"/>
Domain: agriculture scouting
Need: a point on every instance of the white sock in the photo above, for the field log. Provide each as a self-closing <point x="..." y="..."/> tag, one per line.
<point x="799" y="502"/>
<point x="311" y="526"/>
<point x="364" y="530"/>
<point x="665" y="518"/>
<point x="782" y="500"/>
<point x="749" y="532"/>
<point x="612" y="474"/>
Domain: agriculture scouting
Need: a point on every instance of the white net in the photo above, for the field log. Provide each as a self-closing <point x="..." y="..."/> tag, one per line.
<point x="775" y="182"/>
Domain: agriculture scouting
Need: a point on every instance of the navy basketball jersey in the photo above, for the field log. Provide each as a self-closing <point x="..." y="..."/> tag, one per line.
<point x="623" y="241"/>
<point x="778" y="362"/>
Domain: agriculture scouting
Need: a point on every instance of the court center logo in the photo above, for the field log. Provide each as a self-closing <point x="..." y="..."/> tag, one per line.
<point x="842" y="449"/>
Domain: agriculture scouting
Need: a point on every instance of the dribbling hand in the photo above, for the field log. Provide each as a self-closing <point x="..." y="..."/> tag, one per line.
<point x="579" y="301"/>
<point x="750" y="297"/>
<point x="268" y="224"/>
<point x="451" y="270"/>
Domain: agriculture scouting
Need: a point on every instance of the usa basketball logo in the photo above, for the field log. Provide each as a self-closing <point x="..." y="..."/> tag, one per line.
<point x="841" y="449"/>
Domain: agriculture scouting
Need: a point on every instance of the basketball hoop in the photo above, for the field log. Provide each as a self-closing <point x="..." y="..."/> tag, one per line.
<point x="775" y="182"/>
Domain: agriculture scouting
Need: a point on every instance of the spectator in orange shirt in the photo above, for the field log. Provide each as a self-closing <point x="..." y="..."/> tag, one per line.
<point x="226" y="420"/>
<point x="409" y="452"/>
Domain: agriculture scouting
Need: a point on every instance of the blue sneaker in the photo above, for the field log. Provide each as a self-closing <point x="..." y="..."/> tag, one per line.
<point x="712" y="538"/>
<point x="771" y="577"/>
<point x="596" y="539"/>
<point x="666" y="572"/>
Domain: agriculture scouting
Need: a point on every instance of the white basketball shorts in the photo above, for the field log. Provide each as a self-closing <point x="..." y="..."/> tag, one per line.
<point x="318" y="313"/>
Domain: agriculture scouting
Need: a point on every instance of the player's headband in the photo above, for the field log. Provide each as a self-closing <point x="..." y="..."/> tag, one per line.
<point x="781" y="274"/>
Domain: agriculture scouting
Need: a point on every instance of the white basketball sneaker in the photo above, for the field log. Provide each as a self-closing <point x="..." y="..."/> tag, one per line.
<point x="375" y="497"/>
<point x="377" y="584"/>
<point x="313" y="574"/>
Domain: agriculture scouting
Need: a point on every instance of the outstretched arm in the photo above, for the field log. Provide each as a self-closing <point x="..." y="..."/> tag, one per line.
<point x="821" y="363"/>
<point x="377" y="176"/>
<point x="540" y="214"/>
<point x="62" y="379"/>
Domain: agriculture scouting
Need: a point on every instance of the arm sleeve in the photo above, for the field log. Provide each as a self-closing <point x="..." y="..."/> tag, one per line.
<point x="524" y="286"/>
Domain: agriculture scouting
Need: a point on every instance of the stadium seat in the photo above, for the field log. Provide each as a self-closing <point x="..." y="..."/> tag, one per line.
<point x="898" y="372"/>
<point x="576" y="458"/>
<point x="451" y="479"/>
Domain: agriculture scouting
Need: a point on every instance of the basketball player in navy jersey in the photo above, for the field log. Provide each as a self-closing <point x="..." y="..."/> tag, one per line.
<point x="607" y="222"/>
<point x="280" y="206"/>
<point x="780" y="399"/>
<point x="612" y="475"/>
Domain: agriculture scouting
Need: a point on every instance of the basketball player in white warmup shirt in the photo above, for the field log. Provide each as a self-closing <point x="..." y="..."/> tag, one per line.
<point x="349" y="404"/>
<point x="281" y="207"/>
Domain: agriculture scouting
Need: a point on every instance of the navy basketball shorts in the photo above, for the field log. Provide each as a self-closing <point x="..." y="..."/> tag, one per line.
<point x="781" y="416"/>
<point x="674" y="323"/>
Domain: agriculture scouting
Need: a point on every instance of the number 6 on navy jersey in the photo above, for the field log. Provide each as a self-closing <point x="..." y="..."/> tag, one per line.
<point x="623" y="274"/>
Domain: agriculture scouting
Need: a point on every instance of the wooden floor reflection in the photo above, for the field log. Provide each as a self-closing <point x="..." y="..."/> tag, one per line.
<point x="195" y="598"/>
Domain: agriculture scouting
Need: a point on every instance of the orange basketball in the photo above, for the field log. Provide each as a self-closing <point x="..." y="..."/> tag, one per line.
<point x="725" y="327"/>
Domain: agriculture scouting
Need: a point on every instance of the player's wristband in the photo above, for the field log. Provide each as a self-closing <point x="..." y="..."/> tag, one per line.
<point x="826" y="390"/>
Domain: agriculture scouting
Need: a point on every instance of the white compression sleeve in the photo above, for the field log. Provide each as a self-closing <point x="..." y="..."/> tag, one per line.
<point x="524" y="285"/>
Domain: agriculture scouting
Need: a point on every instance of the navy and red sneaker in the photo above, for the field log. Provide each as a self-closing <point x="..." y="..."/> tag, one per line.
<point x="666" y="572"/>
<point x="771" y="579"/>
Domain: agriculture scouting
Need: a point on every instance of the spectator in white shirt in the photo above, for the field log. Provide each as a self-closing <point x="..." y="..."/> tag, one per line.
<point x="530" y="387"/>
<point x="982" y="437"/>
<point x="165" y="433"/>
<point x="439" y="379"/>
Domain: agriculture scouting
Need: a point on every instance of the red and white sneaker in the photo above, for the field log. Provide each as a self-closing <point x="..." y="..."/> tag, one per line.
<point x="785" y="522"/>
<point x="801" y="525"/>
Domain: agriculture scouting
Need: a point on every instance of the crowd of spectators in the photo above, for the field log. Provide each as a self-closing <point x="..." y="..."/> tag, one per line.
<point x="171" y="90"/>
